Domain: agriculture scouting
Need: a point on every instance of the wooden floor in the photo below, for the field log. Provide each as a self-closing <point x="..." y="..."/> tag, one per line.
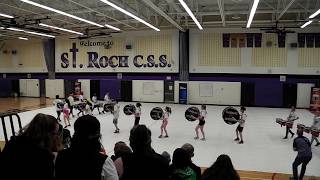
<point x="27" y="104"/>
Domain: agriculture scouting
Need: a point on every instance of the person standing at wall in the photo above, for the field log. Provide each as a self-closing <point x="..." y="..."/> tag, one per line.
<point x="241" y="121"/>
<point x="289" y="124"/>
<point x="58" y="104"/>
<point x="302" y="145"/>
<point x="316" y="125"/>
<point x="165" y="119"/>
<point x="137" y="114"/>
<point x="202" y="121"/>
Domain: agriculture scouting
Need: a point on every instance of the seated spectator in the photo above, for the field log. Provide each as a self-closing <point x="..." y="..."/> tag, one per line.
<point x="179" y="169"/>
<point x="222" y="169"/>
<point x="144" y="163"/>
<point x="29" y="155"/>
<point x="190" y="150"/>
<point x="83" y="159"/>
<point x="166" y="155"/>
<point x="121" y="149"/>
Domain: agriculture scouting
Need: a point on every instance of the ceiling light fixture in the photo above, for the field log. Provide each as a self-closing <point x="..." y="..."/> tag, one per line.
<point x="306" y="24"/>
<point x="314" y="14"/>
<point x="129" y="14"/>
<point x="62" y="29"/>
<point x="253" y="11"/>
<point x="5" y="15"/>
<point x="185" y="6"/>
<point x="23" y="38"/>
<point x="61" y="12"/>
<point x="30" y="32"/>
<point x="112" y="27"/>
<point x="15" y="29"/>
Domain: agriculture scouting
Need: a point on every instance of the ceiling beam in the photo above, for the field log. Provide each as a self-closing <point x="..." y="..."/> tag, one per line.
<point x="174" y="5"/>
<point x="285" y="9"/>
<point x="163" y="14"/>
<point x="221" y="9"/>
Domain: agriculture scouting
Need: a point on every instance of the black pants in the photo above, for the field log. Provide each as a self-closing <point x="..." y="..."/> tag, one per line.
<point x="136" y="121"/>
<point x="288" y="130"/>
<point x="71" y="110"/>
<point x="300" y="160"/>
<point x="58" y="113"/>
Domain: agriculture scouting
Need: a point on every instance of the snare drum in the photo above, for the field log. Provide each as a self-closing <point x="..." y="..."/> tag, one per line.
<point x="289" y="124"/>
<point x="281" y="121"/>
<point x="315" y="132"/>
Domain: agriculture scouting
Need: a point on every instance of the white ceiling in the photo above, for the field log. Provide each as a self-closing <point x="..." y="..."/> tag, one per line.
<point x="235" y="12"/>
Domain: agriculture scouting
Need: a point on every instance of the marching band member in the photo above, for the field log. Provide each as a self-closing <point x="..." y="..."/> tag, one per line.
<point x="240" y="127"/>
<point x="115" y="112"/>
<point x="165" y="119"/>
<point x="291" y="118"/>
<point x="71" y="103"/>
<point x="95" y="102"/>
<point x="58" y="104"/>
<point x="316" y="125"/>
<point x="202" y="121"/>
<point x="137" y="114"/>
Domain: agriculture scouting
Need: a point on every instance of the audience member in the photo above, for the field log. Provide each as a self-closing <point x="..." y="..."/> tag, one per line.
<point x="303" y="146"/>
<point x="144" y="163"/>
<point x="222" y="169"/>
<point x="166" y="155"/>
<point x="83" y="159"/>
<point x="190" y="150"/>
<point x="121" y="149"/>
<point x="179" y="169"/>
<point x="29" y="155"/>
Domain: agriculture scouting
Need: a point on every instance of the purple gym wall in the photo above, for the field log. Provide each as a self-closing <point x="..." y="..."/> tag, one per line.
<point x="5" y="87"/>
<point x="112" y="86"/>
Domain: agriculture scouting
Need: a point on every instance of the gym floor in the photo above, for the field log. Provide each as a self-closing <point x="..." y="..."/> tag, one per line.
<point x="264" y="154"/>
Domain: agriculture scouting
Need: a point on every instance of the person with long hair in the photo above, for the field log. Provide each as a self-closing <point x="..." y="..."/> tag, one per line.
<point x="180" y="168"/>
<point x="144" y="163"/>
<point x="164" y="124"/>
<point x="202" y="121"/>
<point x="29" y="155"/>
<point x="84" y="160"/>
<point x="222" y="169"/>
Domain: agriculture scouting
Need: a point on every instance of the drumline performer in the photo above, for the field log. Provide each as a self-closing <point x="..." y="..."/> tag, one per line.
<point x="316" y="125"/>
<point x="164" y="124"/>
<point x="71" y="103"/>
<point x="115" y="112"/>
<point x="291" y="118"/>
<point x="57" y="104"/>
<point x="241" y="121"/>
<point x="202" y="121"/>
<point x="95" y="102"/>
<point x="137" y="114"/>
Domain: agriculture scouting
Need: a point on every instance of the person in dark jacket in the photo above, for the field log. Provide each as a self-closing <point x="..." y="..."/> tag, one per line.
<point x="222" y="169"/>
<point x="190" y="150"/>
<point x="84" y="160"/>
<point x="180" y="168"/>
<point x="121" y="149"/>
<point x="303" y="146"/>
<point x="30" y="154"/>
<point x="144" y="163"/>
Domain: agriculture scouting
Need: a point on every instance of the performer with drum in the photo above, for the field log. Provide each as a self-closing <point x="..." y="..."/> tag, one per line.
<point x="315" y="127"/>
<point x="289" y="123"/>
<point x="95" y="102"/>
<point x="58" y="104"/>
<point x="137" y="114"/>
<point x="165" y="119"/>
<point x="202" y="121"/>
<point x="240" y="127"/>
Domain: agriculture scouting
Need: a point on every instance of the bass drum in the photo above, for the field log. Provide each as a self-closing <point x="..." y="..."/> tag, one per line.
<point x="129" y="109"/>
<point x="156" y="113"/>
<point x="229" y="114"/>
<point x="192" y="113"/>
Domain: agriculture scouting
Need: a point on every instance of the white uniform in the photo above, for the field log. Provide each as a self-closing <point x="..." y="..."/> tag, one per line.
<point x="87" y="110"/>
<point x="107" y="98"/>
<point x="138" y="112"/>
<point x="242" y="120"/>
<point x="80" y="97"/>
<point x="166" y="115"/>
<point x="116" y="111"/>
<point x="203" y="114"/>
<point x="94" y="100"/>
<point x="71" y="100"/>
<point x="292" y="116"/>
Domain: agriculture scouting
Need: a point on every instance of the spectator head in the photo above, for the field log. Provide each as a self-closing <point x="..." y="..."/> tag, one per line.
<point x="43" y="130"/>
<point x="221" y="169"/>
<point x="87" y="133"/>
<point x="180" y="158"/>
<point x="300" y="132"/>
<point x="121" y="148"/>
<point x="189" y="149"/>
<point x="166" y="155"/>
<point x="140" y="139"/>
